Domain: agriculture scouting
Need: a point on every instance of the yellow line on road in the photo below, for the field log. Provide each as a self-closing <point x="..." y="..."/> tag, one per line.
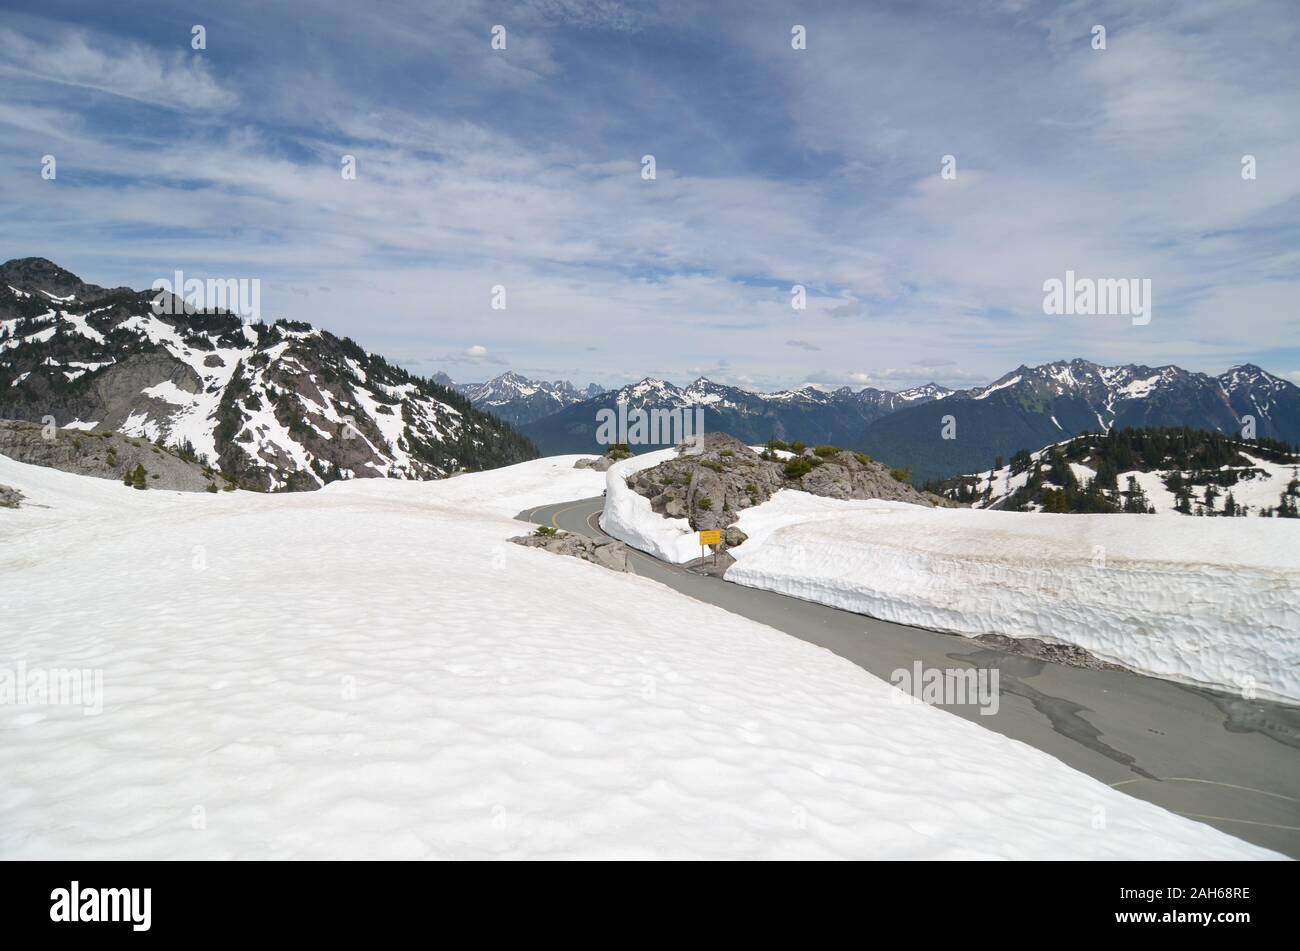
<point x="1249" y="822"/>
<point x="1208" y="782"/>
<point x="558" y="512"/>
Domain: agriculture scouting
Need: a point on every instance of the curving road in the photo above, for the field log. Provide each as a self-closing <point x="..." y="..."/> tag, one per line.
<point x="1232" y="763"/>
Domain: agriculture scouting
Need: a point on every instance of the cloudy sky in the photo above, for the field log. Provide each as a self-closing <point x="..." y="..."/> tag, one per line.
<point x="775" y="166"/>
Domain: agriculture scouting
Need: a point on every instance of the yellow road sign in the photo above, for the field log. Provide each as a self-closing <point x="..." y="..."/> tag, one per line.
<point x="711" y="538"/>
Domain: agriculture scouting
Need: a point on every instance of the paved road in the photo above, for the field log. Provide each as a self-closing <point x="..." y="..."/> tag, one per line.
<point x="1232" y="763"/>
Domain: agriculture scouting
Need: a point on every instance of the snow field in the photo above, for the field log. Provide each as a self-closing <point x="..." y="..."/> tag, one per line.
<point x="371" y="670"/>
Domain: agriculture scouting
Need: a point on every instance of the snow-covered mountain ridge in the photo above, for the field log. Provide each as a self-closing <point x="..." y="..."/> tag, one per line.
<point x="279" y="406"/>
<point x="1031" y="407"/>
<point x="517" y="399"/>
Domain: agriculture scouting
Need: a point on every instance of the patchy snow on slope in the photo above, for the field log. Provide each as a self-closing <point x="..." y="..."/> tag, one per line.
<point x="629" y="518"/>
<point x="169" y="392"/>
<point x="81" y="325"/>
<point x="984" y="392"/>
<point x="1152" y="485"/>
<point x="1214" y="602"/>
<point x="1259" y="484"/>
<point x="372" y="670"/>
<point x="1260" y="490"/>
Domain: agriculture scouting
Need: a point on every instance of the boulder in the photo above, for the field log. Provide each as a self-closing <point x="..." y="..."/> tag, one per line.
<point x="605" y="552"/>
<point x="599" y="464"/>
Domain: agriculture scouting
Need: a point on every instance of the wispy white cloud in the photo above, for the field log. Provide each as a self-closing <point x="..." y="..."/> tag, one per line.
<point x="126" y="69"/>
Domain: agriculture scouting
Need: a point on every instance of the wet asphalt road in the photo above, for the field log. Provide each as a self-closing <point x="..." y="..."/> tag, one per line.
<point x="1218" y="758"/>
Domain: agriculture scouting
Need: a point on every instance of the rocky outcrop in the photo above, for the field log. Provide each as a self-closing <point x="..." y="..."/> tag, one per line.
<point x="605" y="552"/>
<point x="104" y="456"/>
<point x="9" y="497"/>
<point x="601" y="463"/>
<point x="117" y="390"/>
<point x="712" y="488"/>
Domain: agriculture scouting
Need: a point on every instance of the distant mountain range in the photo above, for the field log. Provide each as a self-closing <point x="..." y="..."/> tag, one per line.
<point x="1033" y="406"/>
<point x="269" y="403"/>
<point x="280" y="406"/>
<point x="1024" y="409"/>
<point x="808" y="414"/>
<point x="518" y="400"/>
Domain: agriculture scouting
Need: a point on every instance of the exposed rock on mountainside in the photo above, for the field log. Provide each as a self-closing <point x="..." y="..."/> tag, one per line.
<point x="106" y="456"/>
<point x="712" y="488"/>
<point x="9" y="497"/>
<point x="281" y="406"/>
<point x="605" y="552"/>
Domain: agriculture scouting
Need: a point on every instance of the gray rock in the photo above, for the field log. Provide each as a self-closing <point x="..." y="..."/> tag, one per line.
<point x="713" y="487"/>
<point x="118" y="388"/>
<point x="9" y="497"/>
<point x="103" y="455"/>
<point x="602" y="463"/>
<point x="604" y="552"/>
<point x="609" y="554"/>
<point x="1069" y="654"/>
<point x="733" y="537"/>
<point x="599" y="464"/>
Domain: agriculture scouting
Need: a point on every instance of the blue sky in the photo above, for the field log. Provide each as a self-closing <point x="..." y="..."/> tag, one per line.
<point x="522" y="168"/>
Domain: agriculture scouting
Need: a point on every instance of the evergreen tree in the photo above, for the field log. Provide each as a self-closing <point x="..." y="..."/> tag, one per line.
<point x="1135" y="499"/>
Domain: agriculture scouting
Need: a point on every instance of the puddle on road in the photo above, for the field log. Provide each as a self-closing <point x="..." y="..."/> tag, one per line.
<point x="1063" y="715"/>
<point x="1274" y="720"/>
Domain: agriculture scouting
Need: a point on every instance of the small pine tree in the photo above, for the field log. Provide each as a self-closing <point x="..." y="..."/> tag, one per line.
<point x="138" y="477"/>
<point x="1135" y="499"/>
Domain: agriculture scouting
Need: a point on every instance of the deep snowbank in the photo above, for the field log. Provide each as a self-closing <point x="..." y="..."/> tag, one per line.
<point x="628" y="516"/>
<point x="1200" y="600"/>
<point x="373" y="671"/>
